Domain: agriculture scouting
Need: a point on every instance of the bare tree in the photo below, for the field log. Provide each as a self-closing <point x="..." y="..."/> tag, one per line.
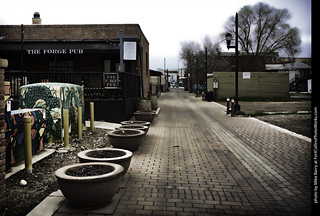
<point x="194" y="57"/>
<point x="192" y="50"/>
<point x="188" y="50"/>
<point x="211" y="45"/>
<point x="215" y="61"/>
<point x="264" y="30"/>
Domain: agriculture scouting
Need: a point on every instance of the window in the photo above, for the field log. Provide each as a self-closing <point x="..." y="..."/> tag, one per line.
<point x="61" y="66"/>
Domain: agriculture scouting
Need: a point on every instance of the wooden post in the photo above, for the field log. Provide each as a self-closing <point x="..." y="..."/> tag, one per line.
<point x="92" y="116"/>
<point x="79" y="122"/>
<point x="27" y="144"/>
<point x="232" y="107"/>
<point x="228" y="106"/>
<point x="66" y="127"/>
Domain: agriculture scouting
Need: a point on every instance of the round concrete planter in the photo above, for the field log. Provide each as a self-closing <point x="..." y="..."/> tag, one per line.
<point x="154" y="102"/>
<point x="134" y="126"/>
<point x="129" y="139"/>
<point x="90" y="191"/>
<point x="144" y="104"/>
<point x="144" y="115"/>
<point x="123" y="157"/>
<point x="144" y="123"/>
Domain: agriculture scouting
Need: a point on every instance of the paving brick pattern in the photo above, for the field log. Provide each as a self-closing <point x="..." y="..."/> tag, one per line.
<point x="196" y="160"/>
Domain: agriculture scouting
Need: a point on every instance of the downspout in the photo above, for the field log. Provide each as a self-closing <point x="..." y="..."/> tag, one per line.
<point x="22" y="66"/>
<point x="141" y="70"/>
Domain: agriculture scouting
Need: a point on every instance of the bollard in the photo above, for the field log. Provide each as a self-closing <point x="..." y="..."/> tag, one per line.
<point x="27" y="144"/>
<point x="232" y="107"/>
<point x="228" y="106"/>
<point x="66" y="127"/>
<point x="92" y="116"/>
<point x="79" y="122"/>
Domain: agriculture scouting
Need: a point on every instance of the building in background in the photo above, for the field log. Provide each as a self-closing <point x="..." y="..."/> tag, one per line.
<point x="173" y="79"/>
<point x="300" y="75"/>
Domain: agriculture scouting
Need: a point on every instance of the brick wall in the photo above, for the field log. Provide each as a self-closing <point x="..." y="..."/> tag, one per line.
<point x="3" y="64"/>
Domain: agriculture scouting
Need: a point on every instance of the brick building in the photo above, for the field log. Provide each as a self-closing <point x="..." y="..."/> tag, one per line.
<point x="74" y="48"/>
<point x="87" y="55"/>
<point x="3" y="196"/>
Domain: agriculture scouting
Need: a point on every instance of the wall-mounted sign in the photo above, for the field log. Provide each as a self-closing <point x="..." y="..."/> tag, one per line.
<point x="246" y="75"/>
<point x="54" y="51"/>
<point x="129" y="50"/>
<point x="111" y="80"/>
<point x="9" y="106"/>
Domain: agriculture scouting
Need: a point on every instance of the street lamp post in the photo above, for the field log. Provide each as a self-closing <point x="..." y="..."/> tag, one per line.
<point x="205" y="75"/>
<point x="190" y="80"/>
<point x="168" y="80"/>
<point x="197" y="61"/>
<point x="228" y="39"/>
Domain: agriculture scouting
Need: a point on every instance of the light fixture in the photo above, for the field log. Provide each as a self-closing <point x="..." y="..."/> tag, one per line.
<point x="215" y="84"/>
<point x="228" y="39"/>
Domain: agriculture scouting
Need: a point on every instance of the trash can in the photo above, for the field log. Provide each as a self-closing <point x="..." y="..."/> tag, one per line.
<point x="209" y="96"/>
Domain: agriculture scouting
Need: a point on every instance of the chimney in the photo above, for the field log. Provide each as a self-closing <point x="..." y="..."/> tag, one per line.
<point x="36" y="20"/>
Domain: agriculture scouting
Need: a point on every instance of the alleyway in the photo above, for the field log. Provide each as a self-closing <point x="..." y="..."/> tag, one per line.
<point x="198" y="160"/>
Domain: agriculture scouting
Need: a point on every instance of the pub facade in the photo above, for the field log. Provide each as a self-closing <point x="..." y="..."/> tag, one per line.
<point x="111" y="61"/>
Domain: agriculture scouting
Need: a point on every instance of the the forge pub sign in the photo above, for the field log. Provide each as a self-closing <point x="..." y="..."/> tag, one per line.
<point x="54" y="51"/>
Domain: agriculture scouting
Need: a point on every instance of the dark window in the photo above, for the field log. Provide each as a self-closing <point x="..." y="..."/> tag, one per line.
<point x="61" y="66"/>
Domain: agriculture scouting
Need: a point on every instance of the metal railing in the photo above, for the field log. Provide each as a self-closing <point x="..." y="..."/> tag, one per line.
<point x="93" y="82"/>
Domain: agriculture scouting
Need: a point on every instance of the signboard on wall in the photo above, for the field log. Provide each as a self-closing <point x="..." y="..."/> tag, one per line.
<point x="129" y="50"/>
<point x="111" y="80"/>
<point x="54" y="51"/>
<point x="246" y="75"/>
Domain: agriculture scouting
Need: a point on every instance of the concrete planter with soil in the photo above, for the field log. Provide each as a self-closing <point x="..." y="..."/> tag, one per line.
<point x="90" y="184"/>
<point x="129" y="139"/>
<point x="110" y="155"/>
<point x="134" y="126"/>
<point x="144" y="123"/>
<point x="145" y="115"/>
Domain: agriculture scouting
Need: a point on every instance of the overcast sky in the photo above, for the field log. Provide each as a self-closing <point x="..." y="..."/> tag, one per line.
<point x="165" y="23"/>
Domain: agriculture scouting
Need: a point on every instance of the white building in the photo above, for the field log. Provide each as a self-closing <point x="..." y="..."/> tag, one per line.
<point x="299" y="75"/>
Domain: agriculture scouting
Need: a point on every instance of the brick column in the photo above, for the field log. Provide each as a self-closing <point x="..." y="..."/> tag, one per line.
<point x="3" y="201"/>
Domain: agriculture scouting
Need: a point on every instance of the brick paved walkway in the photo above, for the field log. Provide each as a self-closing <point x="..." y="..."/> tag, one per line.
<point x="198" y="161"/>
